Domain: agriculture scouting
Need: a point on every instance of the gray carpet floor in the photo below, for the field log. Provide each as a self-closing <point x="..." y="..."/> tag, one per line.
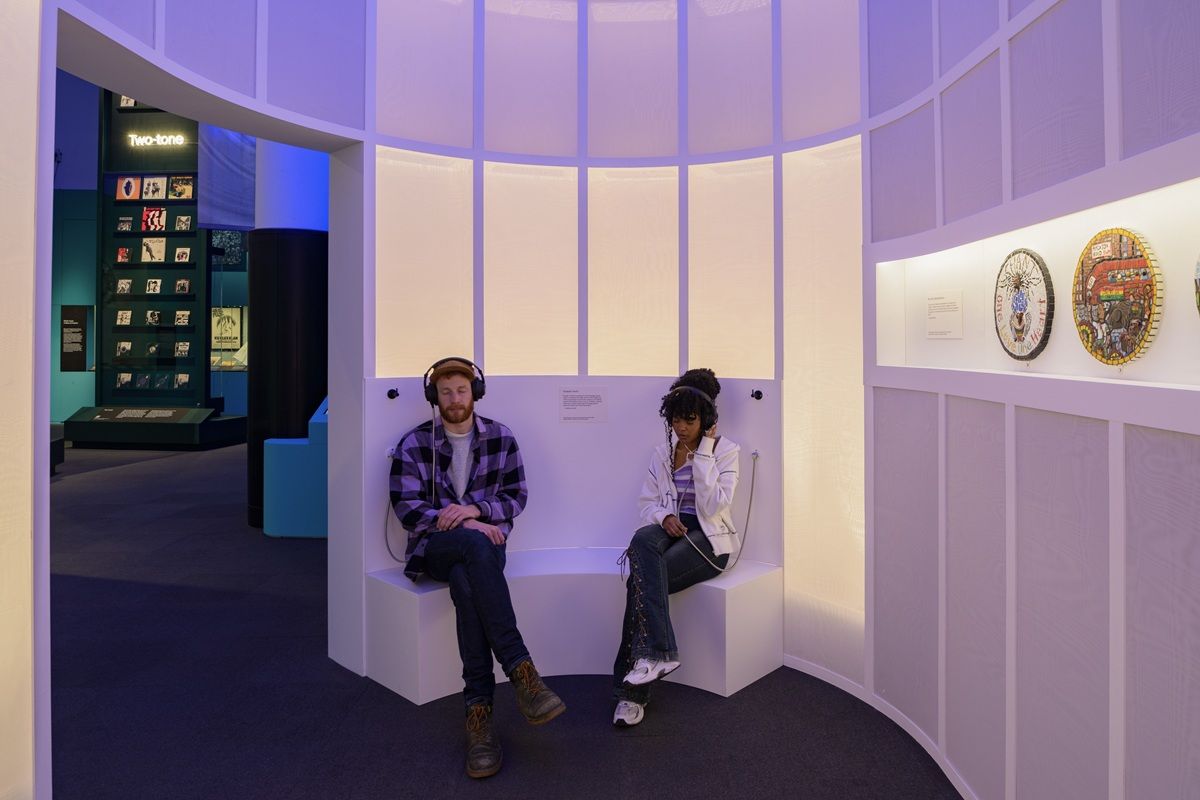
<point x="189" y="661"/>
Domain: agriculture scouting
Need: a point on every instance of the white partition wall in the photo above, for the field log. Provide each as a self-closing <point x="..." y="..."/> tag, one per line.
<point x="1050" y="494"/>
<point x="1016" y="588"/>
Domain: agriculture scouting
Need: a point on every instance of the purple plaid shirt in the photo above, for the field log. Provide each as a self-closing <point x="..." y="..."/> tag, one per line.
<point x="495" y="483"/>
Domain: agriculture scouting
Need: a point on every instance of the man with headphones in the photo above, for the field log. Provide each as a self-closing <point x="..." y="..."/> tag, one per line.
<point x="457" y="483"/>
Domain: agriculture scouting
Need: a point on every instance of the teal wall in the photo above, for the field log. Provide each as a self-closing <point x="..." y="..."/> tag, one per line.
<point x="73" y="284"/>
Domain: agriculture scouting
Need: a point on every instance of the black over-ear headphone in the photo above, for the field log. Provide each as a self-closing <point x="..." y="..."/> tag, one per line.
<point x="707" y="418"/>
<point x="478" y="381"/>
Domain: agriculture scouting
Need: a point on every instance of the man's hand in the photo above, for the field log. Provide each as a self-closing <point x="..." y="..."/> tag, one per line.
<point x="494" y="534"/>
<point x="674" y="527"/>
<point x="454" y="515"/>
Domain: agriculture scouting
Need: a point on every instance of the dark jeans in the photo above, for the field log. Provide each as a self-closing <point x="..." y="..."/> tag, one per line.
<point x="659" y="565"/>
<point x="474" y="568"/>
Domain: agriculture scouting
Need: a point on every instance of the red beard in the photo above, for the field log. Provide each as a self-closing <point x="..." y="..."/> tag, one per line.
<point x="456" y="414"/>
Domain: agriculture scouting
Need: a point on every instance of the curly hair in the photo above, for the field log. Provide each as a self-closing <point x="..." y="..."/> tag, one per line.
<point x="689" y="404"/>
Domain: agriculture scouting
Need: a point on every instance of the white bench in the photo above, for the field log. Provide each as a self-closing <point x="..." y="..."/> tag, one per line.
<point x="569" y="604"/>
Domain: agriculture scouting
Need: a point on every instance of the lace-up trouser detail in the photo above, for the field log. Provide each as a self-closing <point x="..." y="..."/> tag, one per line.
<point x="659" y="565"/>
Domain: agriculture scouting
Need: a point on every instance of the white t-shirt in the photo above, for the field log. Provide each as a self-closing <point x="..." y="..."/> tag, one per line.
<point x="460" y="462"/>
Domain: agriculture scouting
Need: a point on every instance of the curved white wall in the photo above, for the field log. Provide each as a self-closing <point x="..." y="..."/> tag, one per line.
<point x="1025" y="570"/>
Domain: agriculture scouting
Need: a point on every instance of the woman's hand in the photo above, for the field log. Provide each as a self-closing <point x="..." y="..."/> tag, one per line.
<point x="673" y="526"/>
<point x="711" y="432"/>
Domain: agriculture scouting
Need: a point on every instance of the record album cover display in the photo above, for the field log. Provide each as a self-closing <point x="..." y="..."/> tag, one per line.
<point x="154" y="218"/>
<point x="154" y="187"/>
<point x="180" y="188"/>
<point x="1197" y="279"/>
<point x="129" y="187"/>
<point x="1023" y="304"/>
<point x="154" y="251"/>
<point x="152" y="280"/>
<point x="1116" y="296"/>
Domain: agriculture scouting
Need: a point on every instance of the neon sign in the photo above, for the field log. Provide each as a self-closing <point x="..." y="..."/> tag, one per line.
<point x="156" y="140"/>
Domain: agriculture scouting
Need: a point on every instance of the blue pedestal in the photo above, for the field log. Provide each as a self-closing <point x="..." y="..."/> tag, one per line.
<point x="295" y="482"/>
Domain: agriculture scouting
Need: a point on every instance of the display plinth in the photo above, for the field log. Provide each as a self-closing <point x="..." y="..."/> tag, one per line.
<point x="143" y="427"/>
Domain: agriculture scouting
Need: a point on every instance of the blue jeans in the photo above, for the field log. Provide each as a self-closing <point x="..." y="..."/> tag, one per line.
<point x="474" y="568"/>
<point x="659" y="565"/>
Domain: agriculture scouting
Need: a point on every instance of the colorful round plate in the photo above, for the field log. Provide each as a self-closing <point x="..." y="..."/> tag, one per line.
<point x="1024" y="305"/>
<point x="1117" y="296"/>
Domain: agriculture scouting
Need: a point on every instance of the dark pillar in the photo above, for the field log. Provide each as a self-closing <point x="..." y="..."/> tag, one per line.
<point x="289" y="342"/>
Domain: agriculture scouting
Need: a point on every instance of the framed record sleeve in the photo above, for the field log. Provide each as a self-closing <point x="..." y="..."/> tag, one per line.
<point x="1023" y="305"/>
<point x="1116" y="296"/>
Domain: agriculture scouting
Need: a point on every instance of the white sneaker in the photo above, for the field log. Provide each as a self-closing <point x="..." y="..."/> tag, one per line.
<point x="628" y="714"/>
<point x="646" y="670"/>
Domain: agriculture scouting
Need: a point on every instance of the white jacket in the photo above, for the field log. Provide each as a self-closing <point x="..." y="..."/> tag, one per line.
<point x="715" y="474"/>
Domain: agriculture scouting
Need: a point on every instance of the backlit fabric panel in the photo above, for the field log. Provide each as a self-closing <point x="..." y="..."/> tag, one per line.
<point x="426" y="62"/>
<point x="633" y="74"/>
<point x="1062" y="605"/>
<point x="1162" y="527"/>
<point x="530" y="89"/>
<point x="906" y="554"/>
<point x="531" y="270"/>
<point x="975" y="590"/>
<point x="729" y="74"/>
<point x="820" y="66"/>
<point x="731" y="268"/>
<point x="633" y="271"/>
<point x="900" y="50"/>
<point x="424" y="306"/>
<point x="1057" y="97"/>
<point x="822" y="434"/>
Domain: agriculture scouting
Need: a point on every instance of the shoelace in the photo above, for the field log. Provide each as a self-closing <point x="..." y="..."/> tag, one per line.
<point x="529" y="680"/>
<point x="476" y="718"/>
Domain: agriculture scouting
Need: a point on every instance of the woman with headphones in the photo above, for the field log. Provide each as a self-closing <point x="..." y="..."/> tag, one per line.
<point x="688" y="536"/>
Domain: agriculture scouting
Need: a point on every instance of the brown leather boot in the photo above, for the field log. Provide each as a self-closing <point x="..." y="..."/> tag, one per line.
<point x="483" y="747"/>
<point x="534" y="698"/>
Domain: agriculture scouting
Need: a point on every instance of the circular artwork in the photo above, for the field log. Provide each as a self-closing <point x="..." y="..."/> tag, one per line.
<point x="1024" y="305"/>
<point x="1117" y="296"/>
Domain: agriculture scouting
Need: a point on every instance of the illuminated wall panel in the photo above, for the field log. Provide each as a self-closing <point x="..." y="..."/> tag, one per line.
<point x="900" y="50"/>
<point x="425" y="58"/>
<point x="531" y="270"/>
<point x="530" y="60"/>
<point x="215" y="39"/>
<point x="329" y="88"/>
<point x="633" y="73"/>
<point x="729" y="74"/>
<point x="424" y="307"/>
<point x="731" y="268"/>
<point x="633" y="271"/>
<point x="1057" y="97"/>
<point x="819" y="39"/>
<point x="823" y="406"/>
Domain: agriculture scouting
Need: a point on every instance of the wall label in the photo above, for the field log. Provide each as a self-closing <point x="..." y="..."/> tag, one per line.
<point x="943" y="315"/>
<point x="578" y="404"/>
